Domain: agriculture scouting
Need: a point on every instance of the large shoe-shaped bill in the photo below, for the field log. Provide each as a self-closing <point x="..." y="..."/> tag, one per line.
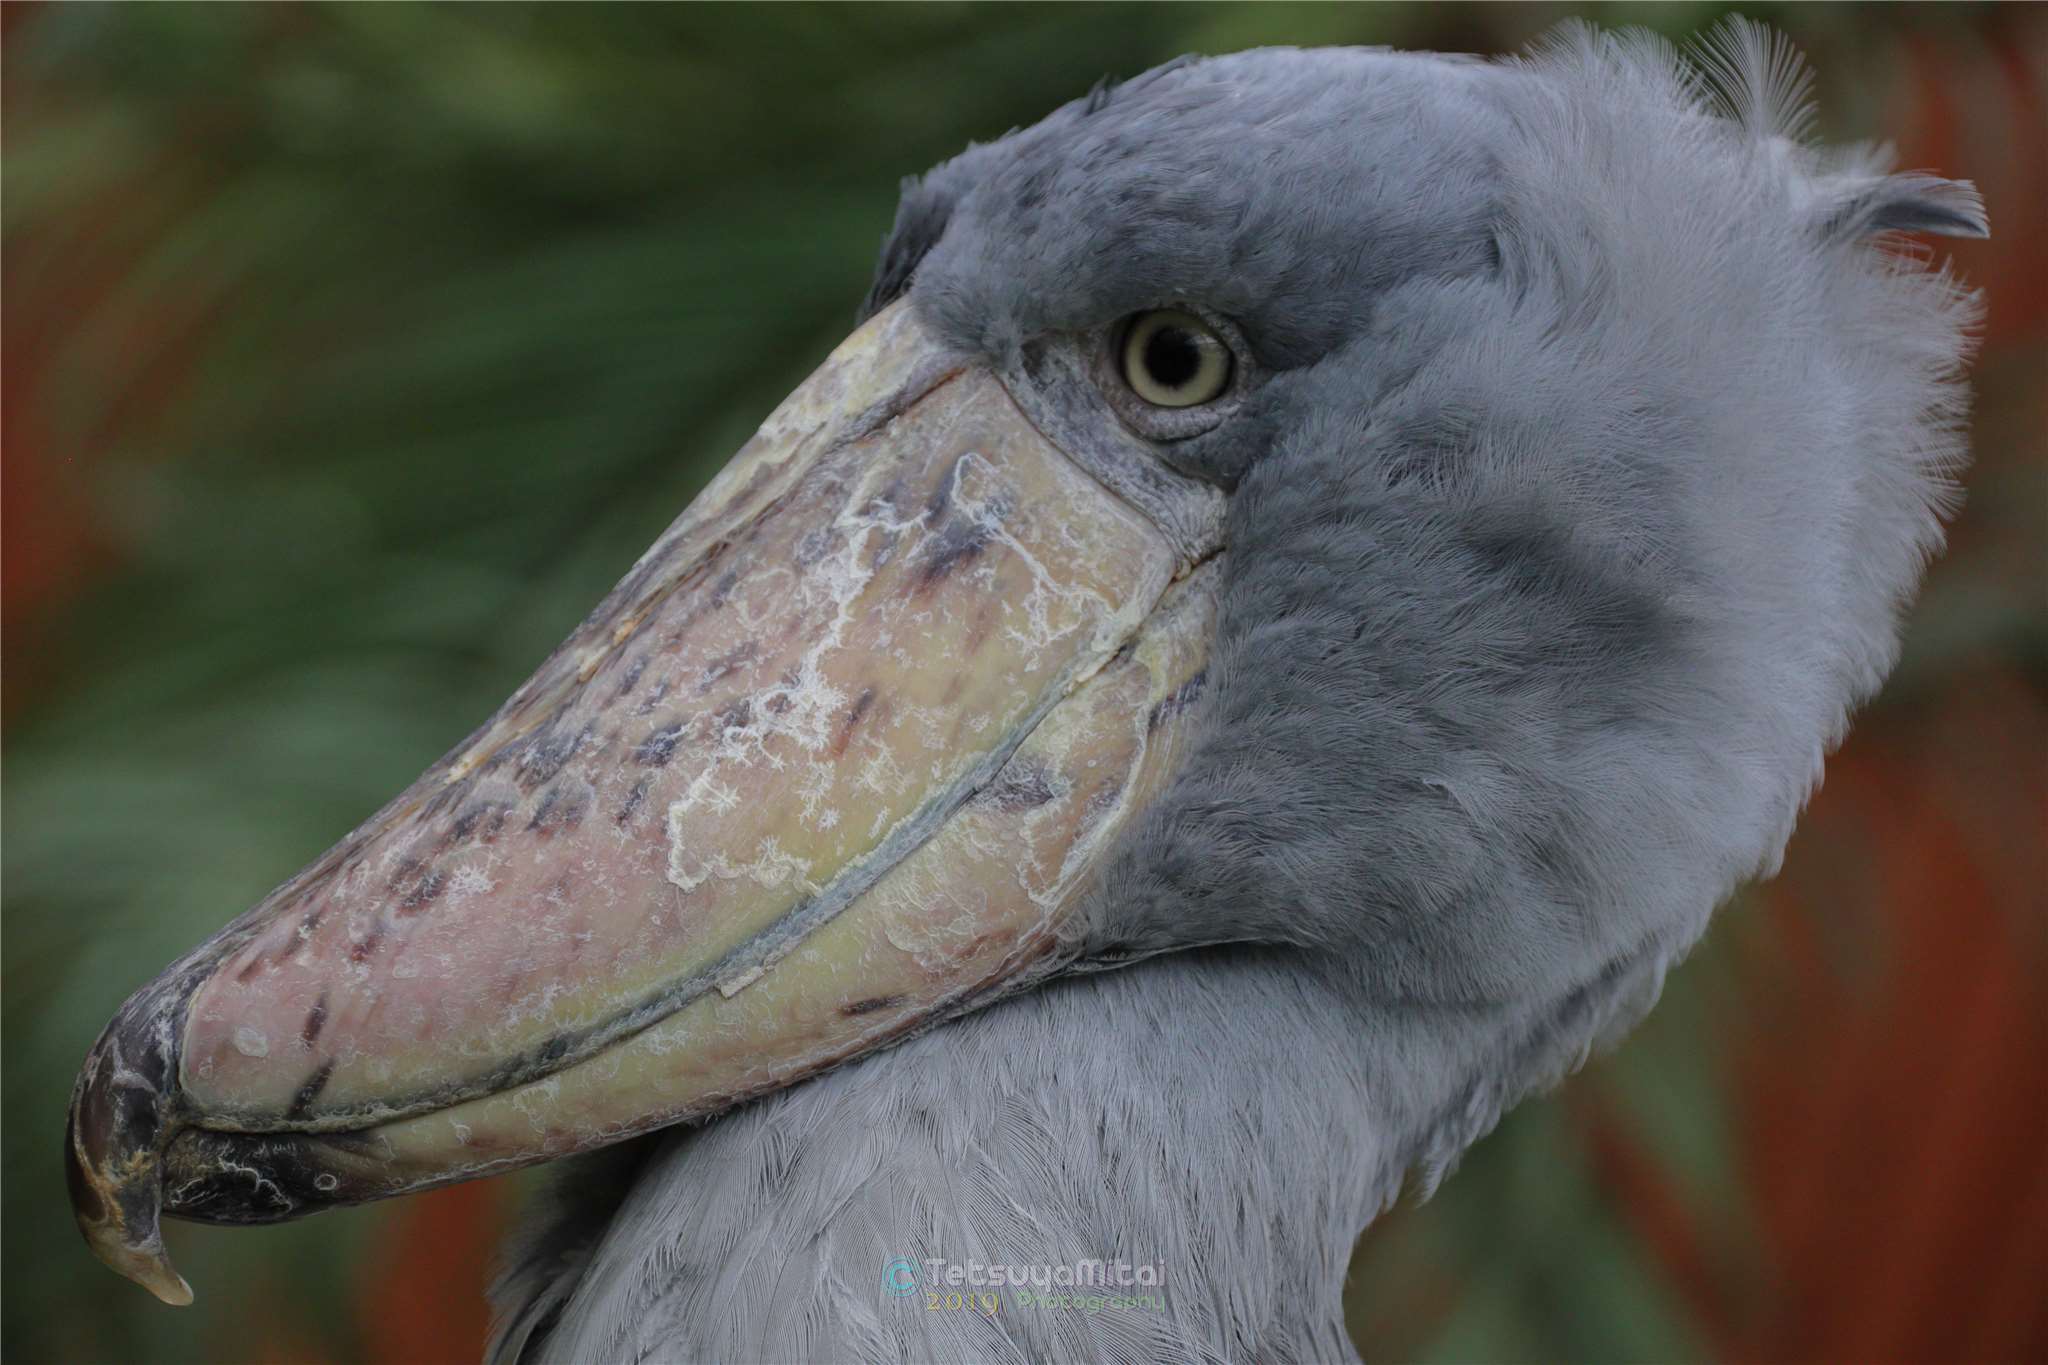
<point x="831" y="763"/>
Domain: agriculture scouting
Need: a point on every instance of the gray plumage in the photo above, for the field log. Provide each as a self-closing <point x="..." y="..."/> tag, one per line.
<point x="1596" y="449"/>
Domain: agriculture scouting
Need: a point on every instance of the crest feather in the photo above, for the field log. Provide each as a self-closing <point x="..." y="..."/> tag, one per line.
<point x="1757" y="78"/>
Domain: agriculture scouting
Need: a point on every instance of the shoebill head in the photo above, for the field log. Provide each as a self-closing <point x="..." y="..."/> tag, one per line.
<point x="1429" y="515"/>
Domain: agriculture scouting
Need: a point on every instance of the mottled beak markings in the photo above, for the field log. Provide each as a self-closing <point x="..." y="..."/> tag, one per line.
<point x="834" y="761"/>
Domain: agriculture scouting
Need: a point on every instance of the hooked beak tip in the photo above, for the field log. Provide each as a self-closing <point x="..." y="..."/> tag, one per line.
<point x="113" y="1158"/>
<point x="152" y="1270"/>
<point x="119" y="1220"/>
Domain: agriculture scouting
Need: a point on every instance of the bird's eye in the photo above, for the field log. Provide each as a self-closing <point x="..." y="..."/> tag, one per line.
<point x="1173" y="359"/>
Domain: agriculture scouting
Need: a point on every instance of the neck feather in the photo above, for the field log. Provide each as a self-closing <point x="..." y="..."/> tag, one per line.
<point x="1232" y="1118"/>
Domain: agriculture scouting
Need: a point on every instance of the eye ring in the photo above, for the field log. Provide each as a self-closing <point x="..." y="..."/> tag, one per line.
<point x="1171" y="358"/>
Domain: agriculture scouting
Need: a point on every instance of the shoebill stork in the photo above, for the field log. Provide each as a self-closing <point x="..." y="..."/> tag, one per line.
<point x="1371" y="547"/>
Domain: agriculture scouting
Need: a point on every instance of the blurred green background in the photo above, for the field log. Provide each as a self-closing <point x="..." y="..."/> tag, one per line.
<point x="351" y="352"/>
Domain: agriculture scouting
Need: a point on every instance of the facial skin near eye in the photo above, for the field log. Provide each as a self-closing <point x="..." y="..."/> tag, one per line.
<point x="1173" y="359"/>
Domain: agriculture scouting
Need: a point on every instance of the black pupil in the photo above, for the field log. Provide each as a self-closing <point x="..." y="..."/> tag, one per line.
<point x="1172" y="356"/>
